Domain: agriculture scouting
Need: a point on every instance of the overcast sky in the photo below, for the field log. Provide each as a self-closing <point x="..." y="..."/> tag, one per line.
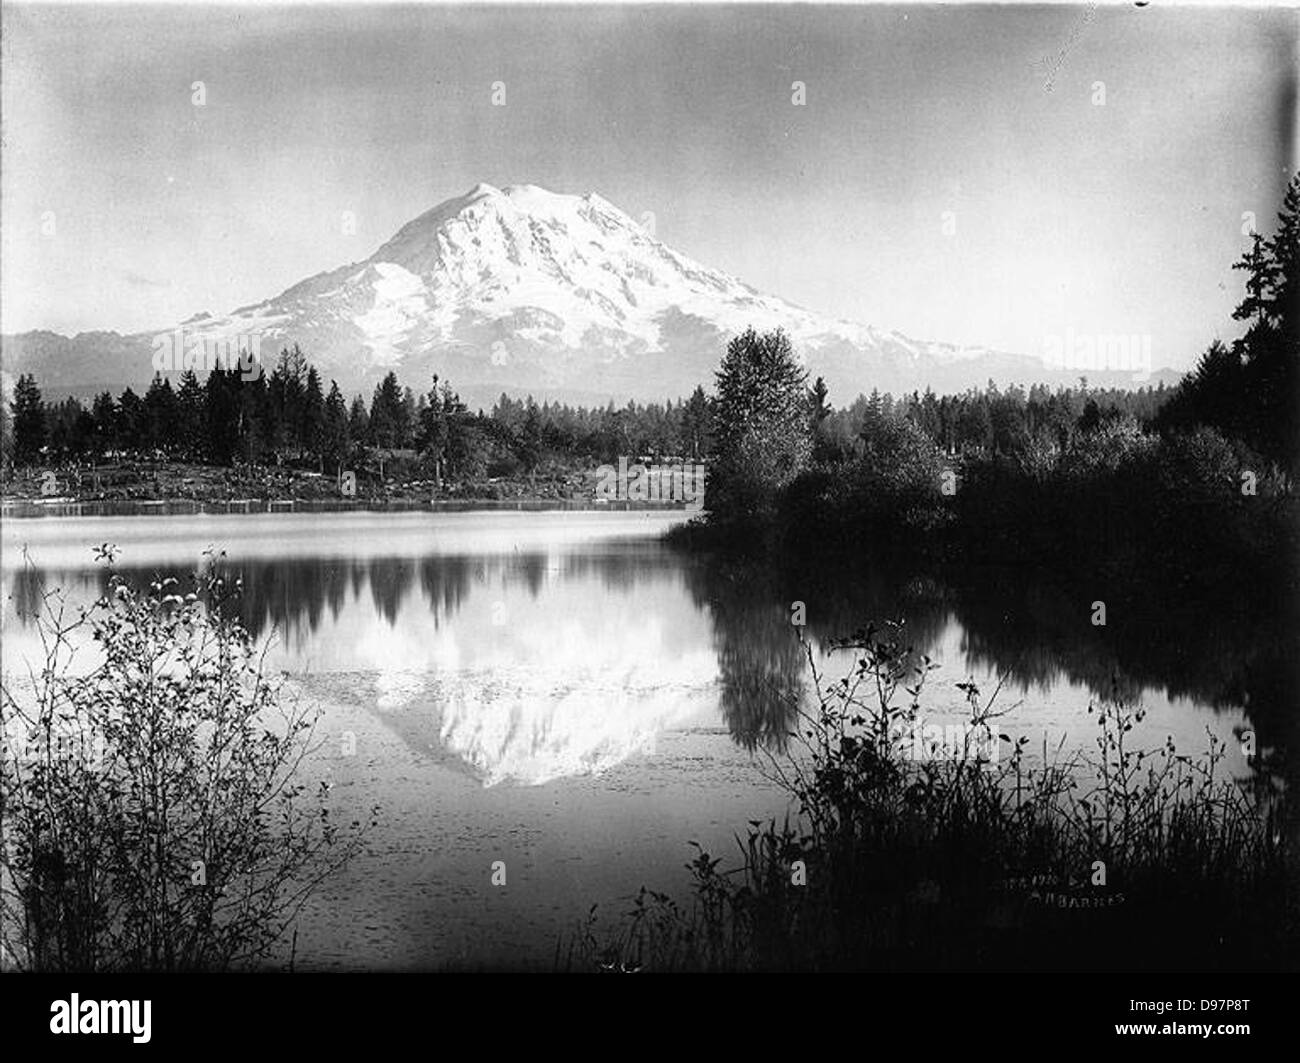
<point x="1122" y="216"/>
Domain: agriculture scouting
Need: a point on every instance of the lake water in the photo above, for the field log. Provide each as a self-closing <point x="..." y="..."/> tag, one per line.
<point x="566" y="694"/>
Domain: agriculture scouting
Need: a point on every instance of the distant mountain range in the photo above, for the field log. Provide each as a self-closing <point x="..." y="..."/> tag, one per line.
<point x="524" y="290"/>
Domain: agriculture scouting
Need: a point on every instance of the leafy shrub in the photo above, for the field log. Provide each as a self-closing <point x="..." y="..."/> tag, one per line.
<point x="153" y="814"/>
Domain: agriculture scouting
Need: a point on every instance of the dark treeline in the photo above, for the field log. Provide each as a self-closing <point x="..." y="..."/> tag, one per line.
<point x="287" y="417"/>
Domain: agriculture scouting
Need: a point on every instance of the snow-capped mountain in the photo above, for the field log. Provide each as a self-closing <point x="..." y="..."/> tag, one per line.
<point x="522" y="289"/>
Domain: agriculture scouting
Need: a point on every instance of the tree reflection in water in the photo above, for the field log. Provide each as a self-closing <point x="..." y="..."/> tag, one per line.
<point x="1229" y="655"/>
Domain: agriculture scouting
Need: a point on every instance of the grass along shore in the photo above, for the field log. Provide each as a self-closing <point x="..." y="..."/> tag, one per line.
<point x="978" y="857"/>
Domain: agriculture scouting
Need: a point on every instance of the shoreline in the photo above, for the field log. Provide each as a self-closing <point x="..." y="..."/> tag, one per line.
<point x="26" y="508"/>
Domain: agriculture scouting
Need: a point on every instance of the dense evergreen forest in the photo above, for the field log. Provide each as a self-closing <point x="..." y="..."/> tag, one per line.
<point x="285" y="418"/>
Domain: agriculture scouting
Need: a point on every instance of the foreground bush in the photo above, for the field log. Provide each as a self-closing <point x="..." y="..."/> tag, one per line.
<point x="153" y="816"/>
<point x="906" y="852"/>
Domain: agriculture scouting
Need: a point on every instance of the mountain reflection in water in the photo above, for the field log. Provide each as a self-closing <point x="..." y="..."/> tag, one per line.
<point x="527" y="650"/>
